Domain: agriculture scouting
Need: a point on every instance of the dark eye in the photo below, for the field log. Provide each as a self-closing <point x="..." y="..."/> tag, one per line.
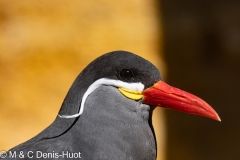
<point x="126" y="74"/>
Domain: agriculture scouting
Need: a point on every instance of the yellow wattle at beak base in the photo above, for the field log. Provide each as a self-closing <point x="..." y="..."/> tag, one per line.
<point x="135" y="95"/>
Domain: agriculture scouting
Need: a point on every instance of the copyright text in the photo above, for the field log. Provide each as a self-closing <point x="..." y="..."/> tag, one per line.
<point x="39" y="154"/>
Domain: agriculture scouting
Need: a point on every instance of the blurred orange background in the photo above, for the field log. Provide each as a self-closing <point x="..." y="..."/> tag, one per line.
<point x="44" y="45"/>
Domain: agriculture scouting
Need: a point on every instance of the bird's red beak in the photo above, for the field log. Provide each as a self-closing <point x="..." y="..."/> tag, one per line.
<point x="163" y="95"/>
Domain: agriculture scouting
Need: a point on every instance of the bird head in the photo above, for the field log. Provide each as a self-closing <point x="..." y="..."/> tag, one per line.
<point x="135" y="78"/>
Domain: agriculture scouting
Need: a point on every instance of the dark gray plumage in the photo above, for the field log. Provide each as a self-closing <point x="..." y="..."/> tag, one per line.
<point x="111" y="126"/>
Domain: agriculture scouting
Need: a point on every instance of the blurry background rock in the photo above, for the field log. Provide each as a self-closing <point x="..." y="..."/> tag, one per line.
<point x="202" y="51"/>
<point x="45" y="44"/>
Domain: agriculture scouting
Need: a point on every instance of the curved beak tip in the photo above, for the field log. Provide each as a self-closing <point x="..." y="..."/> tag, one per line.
<point x="217" y="118"/>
